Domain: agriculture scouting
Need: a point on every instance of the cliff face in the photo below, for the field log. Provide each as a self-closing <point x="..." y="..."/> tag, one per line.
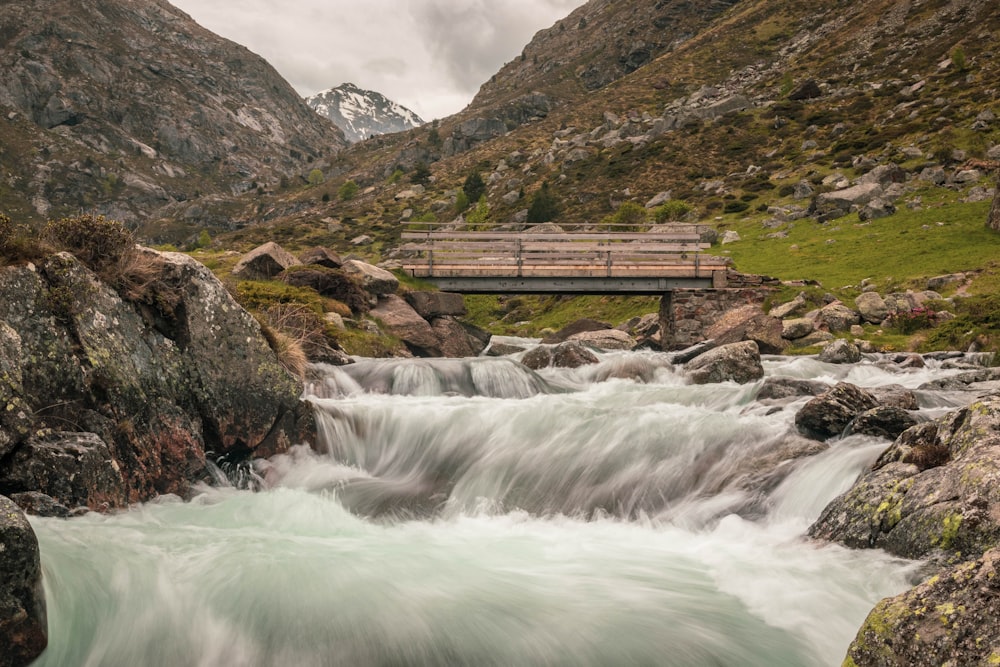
<point x="125" y="107"/>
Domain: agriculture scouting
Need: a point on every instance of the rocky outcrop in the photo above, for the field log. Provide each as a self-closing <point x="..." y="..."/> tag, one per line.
<point x="950" y="619"/>
<point x="132" y="108"/>
<point x="152" y="383"/>
<point x="935" y="491"/>
<point x="23" y="624"/>
<point x="736" y="362"/>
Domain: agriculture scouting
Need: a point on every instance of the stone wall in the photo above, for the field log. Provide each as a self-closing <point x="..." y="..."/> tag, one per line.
<point x="686" y="314"/>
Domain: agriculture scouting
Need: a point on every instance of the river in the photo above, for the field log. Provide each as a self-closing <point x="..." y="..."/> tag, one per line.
<point x="471" y="512"/>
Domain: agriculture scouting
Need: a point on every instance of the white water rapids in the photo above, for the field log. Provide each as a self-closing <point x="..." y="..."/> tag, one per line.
<point x="470" y="512"/>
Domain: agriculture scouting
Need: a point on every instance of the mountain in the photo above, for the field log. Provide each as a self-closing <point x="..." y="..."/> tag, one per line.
<point x="131" y="109"/>
<point x="362" y="113"/>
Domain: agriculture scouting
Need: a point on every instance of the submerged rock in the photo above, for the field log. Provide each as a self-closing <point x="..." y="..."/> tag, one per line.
<point x="23" y="624"/>
<point x="737" y="362"/>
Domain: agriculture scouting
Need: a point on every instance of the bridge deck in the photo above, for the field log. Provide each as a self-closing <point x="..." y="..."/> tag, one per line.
<point x="592" y="262"/>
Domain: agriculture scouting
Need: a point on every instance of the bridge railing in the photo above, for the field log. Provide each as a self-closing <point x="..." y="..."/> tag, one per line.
<point x="435" y="252"/>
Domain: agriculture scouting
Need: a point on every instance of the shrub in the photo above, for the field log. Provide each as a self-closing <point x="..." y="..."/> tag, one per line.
<point x="958" y="59"/>
<point x="735" y="207"/>
<point x="395" y="176"/>
<point x="630" y="217"/>
<point x="671" y="211"/>
<point x="421" y="174"/>
<point x="544" y="206"/>
<point x="911" y="321"/>
<point x="101" y="244"/>
<point x="478" y="217"/>
<point x="348" y="191"/>
<point x="474" y="187"/>
<point x="315" y="177"/>
<point x="461" y="201"/>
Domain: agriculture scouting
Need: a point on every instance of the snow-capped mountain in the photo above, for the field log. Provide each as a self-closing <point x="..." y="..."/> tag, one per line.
<point x="362" y="113"/>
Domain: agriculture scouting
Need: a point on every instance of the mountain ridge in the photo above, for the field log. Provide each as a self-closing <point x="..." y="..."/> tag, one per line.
<point x="362" y="114"/>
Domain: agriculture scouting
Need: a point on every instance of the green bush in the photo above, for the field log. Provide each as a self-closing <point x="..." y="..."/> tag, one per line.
<point x="316" y="177"/>
<point x="671" y="211"/>
<point x="735" y="207"/>
<point x="474" y="187"/>
<point x="477" y="219"/>
<point x="630" y="217"/>
<point x="348" y="191"/>
<point x="461" y="201"/>
<point x="544" y="206"/>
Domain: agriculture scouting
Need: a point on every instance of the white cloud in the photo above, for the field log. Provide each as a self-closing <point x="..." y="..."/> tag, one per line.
<point x="429" y="55"/>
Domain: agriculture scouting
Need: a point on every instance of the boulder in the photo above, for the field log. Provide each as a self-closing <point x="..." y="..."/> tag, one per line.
<point x="605" y="339"/>
<point x="333" y="283"/>
<point x="950" y="619"/>
<point x="564" y="355"/>
<point x="884" y="175"/>
<point x="840" y="351"/>
<point x="574" y="328"/>
<point x="23" y="623"/>
<point x="829" y="414"/>
<point x="503" y="349"/>
<point x="797" y="306"/>
<point x="872" y="307"/>
<point x="399" y="319"/>
<point x="375" y="280"/>
<point x="895" y="395"/>
<point x="806" y="90"/>
<point x="936" y="490"/>
<point x="456" y="339"/>
<point x="321" y="257"/>
<point x="830" y="205"/>
<point x="815" y="338"/>
<point x="436" y="304"/>
<point x="264" y="262"/>
<point x="776" y="388"/>
<point x="73" y="469"/>
<point x="797" y="328"/>
<point x="748" y="323"/>
<point x="883" y="422"/>
<point x="837" y="317"/>
<point x="737" y="362"/>
<point x="15" y="419"/>
<point x="538" y="358"/>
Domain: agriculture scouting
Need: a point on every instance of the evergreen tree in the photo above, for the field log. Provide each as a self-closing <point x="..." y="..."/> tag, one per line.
<point x="421" y="174"/>
<point x="544" y="206"/>
<point x="474" y="187"/>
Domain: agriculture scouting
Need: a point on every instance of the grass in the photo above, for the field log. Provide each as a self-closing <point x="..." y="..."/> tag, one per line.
<point x="530" y="315"/>
<point x="896" y="251"/>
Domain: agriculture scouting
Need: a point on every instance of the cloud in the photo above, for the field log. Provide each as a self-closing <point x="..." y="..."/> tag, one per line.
<point x="429" y="55"/>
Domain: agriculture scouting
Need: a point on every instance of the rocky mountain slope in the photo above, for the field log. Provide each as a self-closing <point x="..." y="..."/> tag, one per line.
<point x="362" y="113"/>
<point x="129" y="108"/>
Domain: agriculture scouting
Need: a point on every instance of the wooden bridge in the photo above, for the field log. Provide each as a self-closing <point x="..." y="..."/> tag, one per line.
<point x="605" y="262"/>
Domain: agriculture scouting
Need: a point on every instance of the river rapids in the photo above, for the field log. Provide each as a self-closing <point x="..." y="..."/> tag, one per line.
<point x="472" y="512"/>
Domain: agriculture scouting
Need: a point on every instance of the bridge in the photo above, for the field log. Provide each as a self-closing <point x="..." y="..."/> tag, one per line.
<point x="592" y="262"/>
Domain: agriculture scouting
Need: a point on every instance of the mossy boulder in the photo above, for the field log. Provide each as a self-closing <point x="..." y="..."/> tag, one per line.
<point x="934" y="493"/>
<point x="950" y="619"/>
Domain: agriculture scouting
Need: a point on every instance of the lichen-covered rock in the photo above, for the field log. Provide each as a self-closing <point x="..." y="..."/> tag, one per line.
<point x="15" y="415"/>
<point x="872" y="307"/>
<point x="175" y="370"/>
<point x="950" y="619"/>
<point x="837" y="317"/>
<point x="840" y="351"/>
<point x="737" y="362"/>
<point x="264" y="261"/>
<point x="936" y="490"/>
<point x="73" y="469"/>
<point x="606" y="339"/>
<point x="23" y="624"/>
<point x="829" y="414"/>
<point x="376" y="281"/>
<point x="570" y="354"/>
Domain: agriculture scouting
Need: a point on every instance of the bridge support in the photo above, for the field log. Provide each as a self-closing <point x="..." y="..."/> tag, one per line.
<point x="686" y="314"/>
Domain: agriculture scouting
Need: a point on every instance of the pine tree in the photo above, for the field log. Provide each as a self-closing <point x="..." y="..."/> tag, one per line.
<point x="474" y="187"/>
<point x="544" y="206"/>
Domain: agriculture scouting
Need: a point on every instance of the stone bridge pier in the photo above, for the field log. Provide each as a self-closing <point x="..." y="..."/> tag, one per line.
<point x="686" y="314"/>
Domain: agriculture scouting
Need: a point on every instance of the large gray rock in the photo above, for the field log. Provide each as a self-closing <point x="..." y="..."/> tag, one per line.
<point x="872" y="307"/>
<point x="738" y="362"/>
<point x="74" y="469"/>
<point x="15" y="418"/>
<point x="950" y="619"/>
<point x="840" y="351"/>
<point x="573" y="328"/>
<point x="837" y="317"/>
<point x="883" y="422"/>
<point x="606" y="339"/>
<point x="23" y="622"/>
<point x="749" y="323"/>
<point x="936" y="490"/>
<point x="403" y="322"/>
<point x="178" y="370"/>
<point x="797" y="328"/>
<point x="564" y="355"/>
<point x="436" y="304"/>
<point x="321" y="257"/>
<point x="456" y="339"/>
<point x="830" y="413"/>
<point x="829" y="205"/>
<point x="375" y="280"/>
<point x="264" y="261"/>
<point x="797" y="306"/>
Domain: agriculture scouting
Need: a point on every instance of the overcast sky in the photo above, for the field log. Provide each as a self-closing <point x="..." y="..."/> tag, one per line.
<point x="429" y="55"/>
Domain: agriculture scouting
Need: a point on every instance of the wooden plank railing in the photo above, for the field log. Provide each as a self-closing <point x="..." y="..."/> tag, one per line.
<point x="434" y="252"/>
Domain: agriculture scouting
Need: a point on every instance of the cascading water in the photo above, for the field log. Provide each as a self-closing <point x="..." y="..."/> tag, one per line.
<point x="471" y="512"/>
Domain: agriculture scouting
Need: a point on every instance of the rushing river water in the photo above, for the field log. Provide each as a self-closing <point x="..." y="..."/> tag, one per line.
<point x="470" y="512"/>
